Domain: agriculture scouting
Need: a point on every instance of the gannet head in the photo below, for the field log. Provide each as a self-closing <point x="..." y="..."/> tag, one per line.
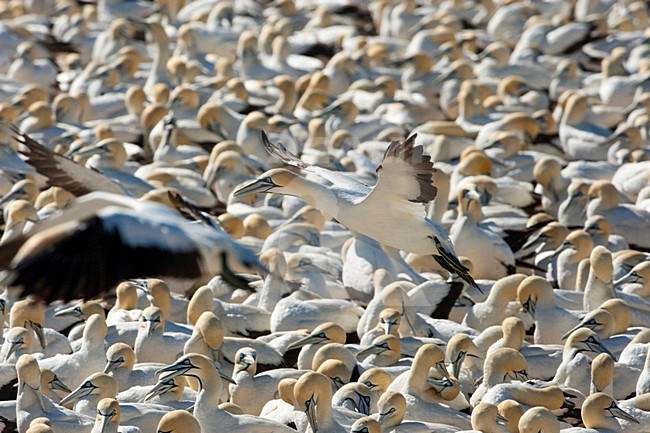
<point x="108" y="411"/>
<point x="506" y="363"/>
<point x="391" y="408"/>
<point x="178" y="421"/>
<point x="448" y="387"/>
<point x="485" y="417"/>
<point x="38" y="427"/>
<point x="599" y="321"/>
<point x="458" y="348"/>
<point x="127" y="295"/>
<point x="381" y="345"/>
<point x="151" y="320"/>
<point x="602" y="371"/>
<point x="54" y="195"/>
<point x="531" y="290"/>
<point x="601" y="263"/>
<point x="16" y="338"/>
<point x="311" y="390"/>
<point x="389" y="320"/>
<point x="587" y="341"/>
<point x="337" y="371"/>
<point x="246" y="360"/>
<point x="513" y="328"/>
<point x="275" y="180"/>
<point x="639" y="274"/>
<point x="211" y="329"/>
<point x="606" y="192"/>
<point x="433" y="356"/>
<point x="166" y="384"/>
<point x="30" y="314"/>
<point x="539" y="418"/>
<point x="578" y="191"/>
<point x="327" y="332"/>
<point x="23" y="189"/>
<point x="334" y="351"/>
<point x="366" y="424"/>
<point x="285" y="390"/>
<point x="29" y="374"/>
<point x="95" y="329"/>
<point x="51" y="382"/>
<point x="545" y="172"/>
<point x="376" y="379"/>
<point x="599" y="411"/>
<point x="81" y="310"/>
<point x="597" y="225"/>
<point x="475" y="163"/>
<point x="511" y="411"/>
<point x="21" y="211"/>
<point x="119" y="355"/>
<point x="100" y="384"/>
<point x="257" y="226"/>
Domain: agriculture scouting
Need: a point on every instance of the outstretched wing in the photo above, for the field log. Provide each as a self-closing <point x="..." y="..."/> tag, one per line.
<point x="339" y="180"/>
<point x="405" y="175"/>
<point x="61" y="171"/>
<point x="85" y="259"/>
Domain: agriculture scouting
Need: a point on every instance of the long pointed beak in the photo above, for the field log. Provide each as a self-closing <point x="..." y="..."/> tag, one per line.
<point x="38" y="329"/>
<point x="620" y="413"/>
<point x="160" y="388"/>
<point x="75" y="395"/>
<point x="388" y="327"/>
<point x="225" y="377"/>
<point x="532" y="241"/>
<point x="14" y="346"/>
<point x="88" y="151"/>
<point x="9" y="197"/>
<point x="572" y="330"/>
<point x="364" y="404"/>
<point x="370" y="350"/>
<point x="442" y="369"/>
<point x="631" y="277"/>
<point x="439" y="385"/>
<point x="39" y="396"/>
<point x="151" y="327"/>
<point x="382" y="416"/>
<point x="310" y="339"/>
<point x="73" y="311"/>
<point x="257" y="186"/>
<point x="106" y="420"/>
<point x="311" y="415"/>
<point x="408" y="322"/>
<point x="457" y="365"/>
<point x="176" y="369"/>
<point x="112" y="366"/>
<point x="600" y="348"/>
<point x="57" y="384"/>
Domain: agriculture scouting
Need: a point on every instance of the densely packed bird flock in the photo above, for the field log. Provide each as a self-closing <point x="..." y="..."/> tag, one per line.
<point x="329" y="216"/>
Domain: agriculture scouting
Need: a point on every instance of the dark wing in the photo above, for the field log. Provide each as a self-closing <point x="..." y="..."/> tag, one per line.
<point x="279" y="151"/>
<point x="61" y="171"/>
<point x="85" y="259"/>
<point x="405" y="176"/>
<point x="403" y="160"/>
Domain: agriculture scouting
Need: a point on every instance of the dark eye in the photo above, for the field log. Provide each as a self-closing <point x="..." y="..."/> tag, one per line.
<point x="385" y="345"/>
<point x="369" y="384"/>
<point x="322" y="335"/>
<point x="307" y="403"/>
<point x="268" y="179"/>
<point x="187" y="362"/>
<point x="591" y="340"/>
<point x="87" y="385"/>
<point x="241" y="356"/>
<point x="591" y="322"/>
<point x="613" y="405"/>
<point x="366" y="399"/>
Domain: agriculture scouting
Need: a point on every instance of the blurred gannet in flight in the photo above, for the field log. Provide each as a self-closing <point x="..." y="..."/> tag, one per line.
<point x="60" y="258"/>
<point x="403" y="186"/>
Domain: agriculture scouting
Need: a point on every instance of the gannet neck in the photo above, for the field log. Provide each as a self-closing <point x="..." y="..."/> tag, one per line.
<point x="314" y="194"/>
